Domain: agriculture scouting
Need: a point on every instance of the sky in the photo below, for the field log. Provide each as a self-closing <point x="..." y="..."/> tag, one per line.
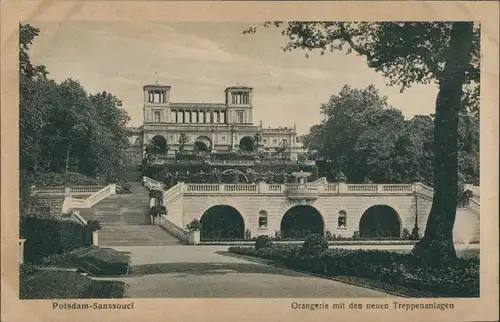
<point x="199" y="60"/>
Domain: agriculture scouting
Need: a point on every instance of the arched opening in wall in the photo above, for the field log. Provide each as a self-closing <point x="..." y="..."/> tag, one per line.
<point x="158" y="145"/>
<point x="262" y="219"/>
<point x="222" y="222"/>
<point x="246" y="144"/>
<point x="301" y="221"/>
<point x="342" y="219"/>
<point x="202" y="144"/>
<point x="380" y="221"/>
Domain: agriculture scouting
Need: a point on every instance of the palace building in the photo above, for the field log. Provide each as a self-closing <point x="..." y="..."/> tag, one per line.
<point x="215" y="127"/>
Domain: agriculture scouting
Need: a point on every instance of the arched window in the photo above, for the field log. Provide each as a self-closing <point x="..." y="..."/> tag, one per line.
<point x="262" y="219"/>
<point x="342" y="219"/>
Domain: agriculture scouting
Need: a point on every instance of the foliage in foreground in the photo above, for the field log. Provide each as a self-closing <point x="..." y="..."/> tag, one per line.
<point x="459" y="278"/>
<point x="67" y="285"/>
<point x="263" y="242"/>
<point x="47" y="236"/>
<point x="97" y="261"/>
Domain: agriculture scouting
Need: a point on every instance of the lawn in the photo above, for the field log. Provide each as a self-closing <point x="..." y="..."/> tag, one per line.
<point x="95" y="261"/>
<point x="51" y="284"/>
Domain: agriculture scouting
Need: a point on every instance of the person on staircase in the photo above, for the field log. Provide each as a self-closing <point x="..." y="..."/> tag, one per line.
<point x="152" y="206"/>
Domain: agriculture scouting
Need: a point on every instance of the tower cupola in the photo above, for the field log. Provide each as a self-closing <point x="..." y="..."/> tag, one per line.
<point x="156" y="94"/>
<point x="239" y="96"/>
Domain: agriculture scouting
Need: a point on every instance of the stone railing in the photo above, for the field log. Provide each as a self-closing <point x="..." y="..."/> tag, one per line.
<point x="230" y="162"/>
<point x="313" y="187"/>
<point x="152" y="184"/>
<point x="292" y="187"/>
<point x="68" y="191"/>
<point x="476" y="192"/>
<point x="171" y="193"/>
<point x="474" y="205"/>
<point x="71" y="203"/>
<point x="101" y="194"/>
<point x="424" y="190"/>
<point x="173" y="229"/>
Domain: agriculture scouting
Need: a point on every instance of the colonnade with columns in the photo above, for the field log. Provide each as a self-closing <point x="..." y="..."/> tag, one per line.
<point x="156" y="96"/>
<point x="199" y="116"/>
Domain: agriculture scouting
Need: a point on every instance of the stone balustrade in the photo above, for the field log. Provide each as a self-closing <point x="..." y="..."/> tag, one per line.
<point x="290" y="188"/>
<point x="68" y="191"/>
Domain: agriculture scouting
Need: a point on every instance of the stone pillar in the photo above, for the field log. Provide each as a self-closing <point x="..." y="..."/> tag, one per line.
<point x="113" y="188"/>
<point x="176" y="116"/>
<point x="21" y="250"/>
<point x="263" y="188"/>
<point x="145" y="96"/>
<point x="95" y="238"/>
<point x="342" y="187"/>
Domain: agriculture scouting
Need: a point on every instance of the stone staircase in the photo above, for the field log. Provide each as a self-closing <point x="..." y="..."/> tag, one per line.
<point x="125" y="221"/>
<point x="47" y="204"/>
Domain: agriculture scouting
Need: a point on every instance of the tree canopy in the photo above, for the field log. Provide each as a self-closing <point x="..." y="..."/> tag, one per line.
<point x="63" y="127"/>
<point x="366" y="139"/>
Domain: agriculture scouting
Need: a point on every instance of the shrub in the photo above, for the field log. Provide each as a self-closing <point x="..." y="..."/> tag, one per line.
<point x="356" y="235"/>
<point x="194" y="225"/>
<point x="242" y="250"/>
<point x="267" y="252"/>
<point x="406" y="234"/>
<point x="158" y="211"/>
<point x="26" y="269"/>
<point x="288" y="252"/>
<point x="248" y="234"/>
<point x="263" y="241"/>
<point x="155" y="194"/>
<point x="126" y="186"/>
<point x="60" y="179"/>
<point x="63" y="258"/>
<point x="329" y="236"/>
<point x="93" y="225"/>
<point x="314" y="245"/>
<point x="415" y="235"/>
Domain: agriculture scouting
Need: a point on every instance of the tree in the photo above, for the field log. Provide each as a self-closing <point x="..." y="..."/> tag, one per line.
<point x="183" y="139"/>
<point x="257" y="139"/>
<point x="446" y="53"/>
<point x="357" y="135"/>
<point x="283" y="150"/>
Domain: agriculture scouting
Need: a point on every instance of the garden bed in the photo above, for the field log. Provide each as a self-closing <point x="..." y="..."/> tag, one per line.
<point x="51" y="284"/>
<point x="95" y="261"/>
<point x="299" y="242"/>
<point x="394" y="272"/>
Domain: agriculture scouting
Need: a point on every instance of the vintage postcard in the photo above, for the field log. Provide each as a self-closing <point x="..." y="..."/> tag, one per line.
<point x="249" y="160"/>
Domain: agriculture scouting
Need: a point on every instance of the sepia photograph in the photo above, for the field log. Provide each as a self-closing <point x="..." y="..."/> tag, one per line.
<point x="243" y="161"/>
<point x="225" y="159"/>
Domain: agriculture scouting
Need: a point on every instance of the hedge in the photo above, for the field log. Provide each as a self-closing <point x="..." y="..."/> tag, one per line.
<point x="266" y="172"/>
<point x="46" y="236"/>
<point x="59" y="179"/>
